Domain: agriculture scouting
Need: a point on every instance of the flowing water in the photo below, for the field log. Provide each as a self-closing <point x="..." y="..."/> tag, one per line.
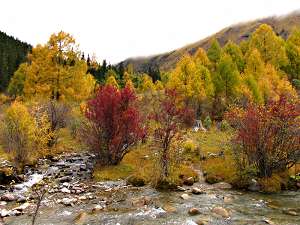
<point x="126" y="205"/>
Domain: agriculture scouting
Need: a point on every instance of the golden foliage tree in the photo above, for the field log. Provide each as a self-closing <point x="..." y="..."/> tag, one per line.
<point x="22" y="135"/>
<point x="111" y="80"/>
<point x="55" y="71"/>
<point x="270" y="46"/>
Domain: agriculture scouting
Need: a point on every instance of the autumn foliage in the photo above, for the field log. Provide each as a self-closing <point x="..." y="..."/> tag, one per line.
<point x="268" y="137"/>
<point x="113" y="124"/>
<point x="170" y="116"/>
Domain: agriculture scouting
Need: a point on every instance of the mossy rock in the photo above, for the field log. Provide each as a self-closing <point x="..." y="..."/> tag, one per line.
<point x="136" y="181"/>
<point x="167" y="184"/>
<point x="212" y="179"/>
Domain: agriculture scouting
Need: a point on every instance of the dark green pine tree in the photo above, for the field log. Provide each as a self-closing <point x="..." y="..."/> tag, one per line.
<point x="12" y="53"/>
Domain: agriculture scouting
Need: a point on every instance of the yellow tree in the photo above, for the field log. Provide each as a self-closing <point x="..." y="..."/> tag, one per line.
<point x="253" y="74"/>
<point x="270" y="46"/>
<point x="293" y="53"/>
<point x="236" y="54"/>
<point x="147" y="84"/>
<point x="55" y="70"/>
<point x="127" y="80"/>
<point x="111" y="80"/>
<point x="273" y="86"/>
<point x="201" y="58"/>
<point x="190" y="80"/>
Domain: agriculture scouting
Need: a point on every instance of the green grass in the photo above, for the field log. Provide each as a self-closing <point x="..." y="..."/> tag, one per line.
<point x="121" y="171"/>
<point x="214" y="141"/>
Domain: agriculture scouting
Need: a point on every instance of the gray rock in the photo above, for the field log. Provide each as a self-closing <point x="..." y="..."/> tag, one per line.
<point x="185" y="196"/>
<point x="254" y="186"/>
<point x="197" y="191"/>
<point x="69" y="201"/>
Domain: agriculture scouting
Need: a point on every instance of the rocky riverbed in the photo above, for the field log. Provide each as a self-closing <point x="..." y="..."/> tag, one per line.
<point x="74" y="198"/>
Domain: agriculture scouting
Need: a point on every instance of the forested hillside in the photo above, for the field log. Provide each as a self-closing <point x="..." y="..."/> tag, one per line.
<point x="282" y="26"/>
<point x="12" y="53"/>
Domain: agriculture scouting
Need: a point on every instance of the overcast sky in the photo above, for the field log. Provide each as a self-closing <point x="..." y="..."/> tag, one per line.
<point x="118" y="29"/>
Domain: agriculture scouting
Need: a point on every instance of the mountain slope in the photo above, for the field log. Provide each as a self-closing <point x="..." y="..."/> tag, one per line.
<point x="282" y="26"/>
<point x="12" y="53"/>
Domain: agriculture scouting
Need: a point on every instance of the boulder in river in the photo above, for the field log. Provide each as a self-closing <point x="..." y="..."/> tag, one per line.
<point x="8" y="197"/>
<point x="194" y="211"/>
<point x="169" y="208"/>
<point x="221" y="211"/>
<point x="189" y="181"/>
<point x="254" y="186"/>
<point x="97" y="208"/>
<point x="197" y="191"/>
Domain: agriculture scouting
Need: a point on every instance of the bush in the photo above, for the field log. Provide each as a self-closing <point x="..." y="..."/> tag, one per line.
<point x="21" y="135"/>
<point x="170" y="117"/>
<point x="268" y="137"/>
<point x="113" y="125"/>
<point x="189" y="147"/>
<point x="270" y="184"/>
<point x="207" y="122"/>
<point x="225" y="126"/>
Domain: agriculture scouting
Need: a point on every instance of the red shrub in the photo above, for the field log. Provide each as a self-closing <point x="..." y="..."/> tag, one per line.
<point x="171" y="117"/>
<point x="114" y="124"/>
<point x="268" y="136"/>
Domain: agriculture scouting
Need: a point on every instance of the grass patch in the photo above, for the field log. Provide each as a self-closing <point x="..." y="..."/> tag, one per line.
<point x="137" y="162"/>
<point x="215" y="141"/>
<point x="121" y="171"/>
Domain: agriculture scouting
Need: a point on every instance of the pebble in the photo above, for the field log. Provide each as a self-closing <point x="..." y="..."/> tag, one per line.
<point x="97" y="208"/>
<point x="82" y="197"/>
<point x="65" y="190"/>
<point x="267" y="221"/>
<point x="179" y="188"/>
<point x="4" y="213"/>
<point x="22" y="207"/>
<point x="68" y="201"/>
<point x="185" y="196"/>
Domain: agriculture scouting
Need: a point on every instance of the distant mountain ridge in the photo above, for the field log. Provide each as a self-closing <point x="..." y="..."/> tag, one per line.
<point x="282" y="25"/>
<point x="12" y="53"/>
